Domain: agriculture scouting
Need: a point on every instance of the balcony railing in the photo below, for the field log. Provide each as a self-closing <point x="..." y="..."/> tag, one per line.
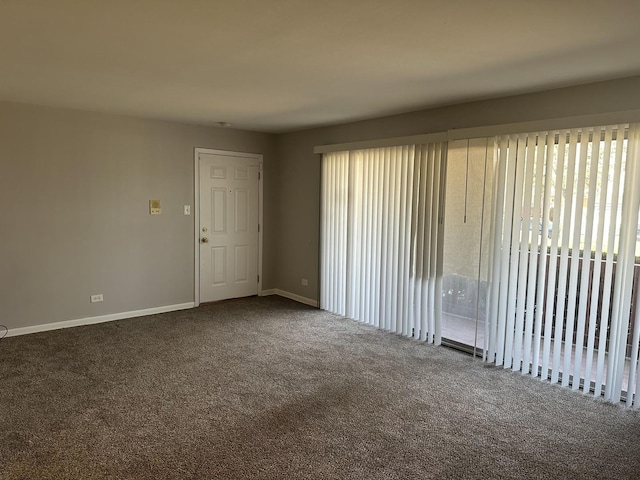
<point x="464" y="297"/>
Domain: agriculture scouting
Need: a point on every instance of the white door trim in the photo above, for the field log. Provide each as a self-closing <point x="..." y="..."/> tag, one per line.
<point x="196" y="212"/>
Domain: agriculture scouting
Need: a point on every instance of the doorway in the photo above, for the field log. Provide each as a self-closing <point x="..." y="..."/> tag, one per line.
<point x="228" y="218"/>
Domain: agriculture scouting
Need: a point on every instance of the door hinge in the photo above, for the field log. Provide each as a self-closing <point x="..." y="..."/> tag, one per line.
<point x="258" y="278"/>
<point x="258" y="175"/>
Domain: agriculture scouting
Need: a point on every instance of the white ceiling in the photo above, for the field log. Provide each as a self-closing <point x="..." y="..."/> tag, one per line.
<point x="282" y="65"/>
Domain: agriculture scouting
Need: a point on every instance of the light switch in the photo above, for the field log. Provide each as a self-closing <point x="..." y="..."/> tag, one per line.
<point x="187" y="209"/>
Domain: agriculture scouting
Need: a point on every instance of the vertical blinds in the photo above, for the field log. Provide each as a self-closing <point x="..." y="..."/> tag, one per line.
<point x="563" y="269"/>
<point x="564" y="248"/>
<point x="381" y="237"/>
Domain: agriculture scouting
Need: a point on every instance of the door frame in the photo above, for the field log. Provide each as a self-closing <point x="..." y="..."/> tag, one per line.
<point x="196" y="212"/>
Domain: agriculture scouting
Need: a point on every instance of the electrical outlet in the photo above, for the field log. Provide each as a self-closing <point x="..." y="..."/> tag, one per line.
<point x="96" y="298"/>
<point x="305" y="282"/>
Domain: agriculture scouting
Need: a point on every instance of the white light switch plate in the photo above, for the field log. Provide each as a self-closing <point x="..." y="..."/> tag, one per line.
<point x="187" y="209"/>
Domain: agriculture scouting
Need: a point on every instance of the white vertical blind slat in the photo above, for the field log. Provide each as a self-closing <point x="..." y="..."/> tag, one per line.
<point x="553" y="257"/>
<point x="525" y="169"/>
<point x="394" y="237"/>
<point x="344" y="204"/>
<point x="576" y="229"/>
<point x="422" y="248"/>
<point x="608" y="276"/>
<point x="505" y="280"/>
<point x="633" y="392"/>
<point x="586" y="259"/>
<point x="626" y="259"/>
<point x="426" y="258"/>
<point x="414" y="199"/>
<point x="603" y="176"/>
<point x="438" y="185"/>
<point x="634" y="372"/>
<point x="327" y="238"/>
<point x="405" y="233"/>
<point x="376" y="289"/>
<point x="324" y="256"/>
<point x="517" y="163"/>
<point x="497" y="206"/>
<point x="565" y="222"/>
<point x="337" y="286"/>
<point x="365" y="266"/>
<point x="491" y="213"/>
<point x="540" y="315"/>
<point x="384" y="247"/>
<point x="536" y="158"/>
<point x="333" y="251"/>
<point x="351" y="239"/>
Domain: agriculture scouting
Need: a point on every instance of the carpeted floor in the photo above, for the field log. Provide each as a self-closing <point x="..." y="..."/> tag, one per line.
<point x="268" y="388"/>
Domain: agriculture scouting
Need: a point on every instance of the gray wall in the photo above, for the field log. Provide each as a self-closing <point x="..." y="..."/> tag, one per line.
<point x="298" y="168"/>
<point x="74" y="221"/>
<point x="75" y="186"/>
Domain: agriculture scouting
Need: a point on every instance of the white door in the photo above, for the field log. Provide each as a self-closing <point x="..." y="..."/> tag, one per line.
<point x="228" y="226"/>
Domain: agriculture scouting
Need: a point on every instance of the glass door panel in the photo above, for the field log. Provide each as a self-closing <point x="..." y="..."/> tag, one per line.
<point x="466" y="240"/>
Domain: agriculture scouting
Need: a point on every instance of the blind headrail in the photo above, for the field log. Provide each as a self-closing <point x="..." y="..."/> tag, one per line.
<point x="601" y="119"/>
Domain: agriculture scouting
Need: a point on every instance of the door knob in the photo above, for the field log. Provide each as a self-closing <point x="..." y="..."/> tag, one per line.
<point x="205" y="240"/>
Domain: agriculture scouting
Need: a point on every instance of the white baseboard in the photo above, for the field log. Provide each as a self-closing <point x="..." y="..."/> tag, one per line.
<point x="100" y="319"/>
<point x="14" y="332"/>
<point x="290" y="296"/>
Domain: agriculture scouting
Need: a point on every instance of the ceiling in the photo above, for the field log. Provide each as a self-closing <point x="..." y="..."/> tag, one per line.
<point x="284" y="65"/>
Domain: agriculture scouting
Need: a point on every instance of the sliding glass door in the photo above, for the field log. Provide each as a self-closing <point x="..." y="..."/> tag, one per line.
<point x="467" y="218"/>
<point x="522" y="248"/>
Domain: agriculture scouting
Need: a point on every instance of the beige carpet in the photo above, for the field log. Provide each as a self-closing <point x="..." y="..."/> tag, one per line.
<point x="268" y="388"/>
